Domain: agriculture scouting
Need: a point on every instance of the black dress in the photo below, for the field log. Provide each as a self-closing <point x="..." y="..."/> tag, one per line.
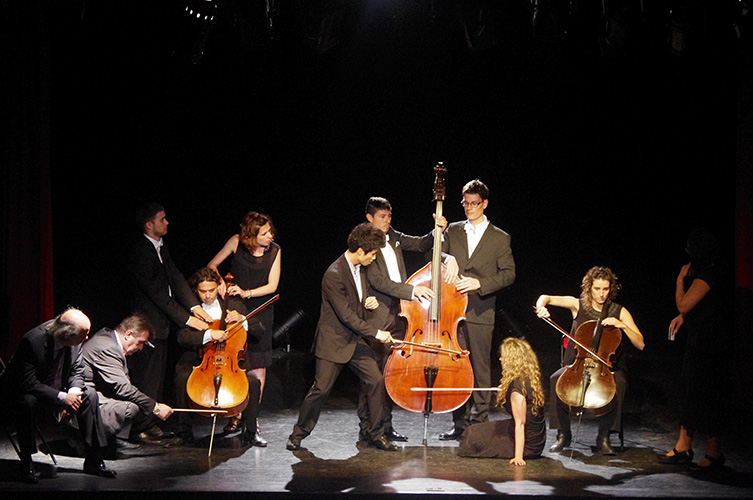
<point x="704" y="372"/>
<point x="496" y="438"/>
<point x="251" y="272"/>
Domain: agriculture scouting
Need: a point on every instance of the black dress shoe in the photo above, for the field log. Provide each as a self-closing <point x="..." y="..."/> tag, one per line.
<point x="97" y="467"/>
<point x="679" y="457"/>
<point x="293" y="444"/>
<point x="185" y="439"/>
<point x="602" y="444"/>
<point x="453" y="435"/>
<point x="123" y="445"/>
<point x="564" y="438"/>
<point x="155" y="432"/>
<point x="255" y="438"/>
<point x="29" y="474"/>
<point x="145" y="438"/>
<point x="384" y="444"/>
<point x="394" y="436"/>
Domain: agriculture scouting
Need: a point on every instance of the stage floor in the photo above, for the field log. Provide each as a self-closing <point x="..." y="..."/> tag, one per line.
<point x="332" y="462"/>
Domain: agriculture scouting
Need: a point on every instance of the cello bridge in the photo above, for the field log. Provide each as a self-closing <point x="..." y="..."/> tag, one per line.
<point x="433" y="346"/>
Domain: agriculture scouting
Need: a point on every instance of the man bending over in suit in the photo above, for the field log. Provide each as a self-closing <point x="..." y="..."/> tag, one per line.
<point x="47" y="370"/>
<point x="341" y="337"/>
<point x="126" y="411"/>
<point x="387" y="278"/>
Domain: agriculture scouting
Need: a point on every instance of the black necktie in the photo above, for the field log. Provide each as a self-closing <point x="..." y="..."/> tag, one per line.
<point x="55" y="376"/>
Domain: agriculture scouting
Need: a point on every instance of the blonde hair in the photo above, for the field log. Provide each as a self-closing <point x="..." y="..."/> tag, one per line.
<point x="519" y="361"/>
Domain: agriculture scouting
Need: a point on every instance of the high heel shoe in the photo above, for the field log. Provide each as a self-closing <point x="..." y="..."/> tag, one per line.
<point x="233" y="425"/>
<point x="679" y="457"/>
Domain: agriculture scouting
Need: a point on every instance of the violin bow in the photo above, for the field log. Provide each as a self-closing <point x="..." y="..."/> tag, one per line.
<point x="234" y="327"/>
<point x="426" y="346"/>
<point x="566" y="334"/>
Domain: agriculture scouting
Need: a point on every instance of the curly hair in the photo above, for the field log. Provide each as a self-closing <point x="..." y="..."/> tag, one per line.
<point x="520" y="362"/>
<point x="598" y="273"/>
<point x="252" y="223"/>
<point x="204" y="274"/>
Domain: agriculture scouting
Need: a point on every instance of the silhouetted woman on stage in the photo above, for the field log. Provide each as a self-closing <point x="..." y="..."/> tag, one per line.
<point x="705" y="380"/>
<point x="521" y="394"/>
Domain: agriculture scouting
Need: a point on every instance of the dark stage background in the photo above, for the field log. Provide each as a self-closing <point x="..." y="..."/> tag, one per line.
<point x="600" y="147"/>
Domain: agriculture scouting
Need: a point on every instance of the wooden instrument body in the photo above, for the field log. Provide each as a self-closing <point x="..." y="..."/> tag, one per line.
<point x="589" y="374"/>
<point x="219" y="382"/>
<point x="406" y="364"/>
<point x="437" y="361"/>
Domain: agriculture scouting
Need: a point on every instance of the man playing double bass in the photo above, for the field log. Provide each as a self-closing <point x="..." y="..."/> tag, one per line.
<point x="479" y="262"/>
<point x="598" y="288"/>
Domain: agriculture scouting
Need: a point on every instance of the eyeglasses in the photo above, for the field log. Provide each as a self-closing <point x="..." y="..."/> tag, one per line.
<point x="471" y="204"/>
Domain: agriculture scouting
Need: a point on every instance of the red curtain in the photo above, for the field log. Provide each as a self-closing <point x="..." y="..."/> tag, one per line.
<point x="27" y="215"/>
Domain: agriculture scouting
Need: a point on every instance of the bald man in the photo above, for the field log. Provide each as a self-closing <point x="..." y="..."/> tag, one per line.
<point x="47" y="373"/>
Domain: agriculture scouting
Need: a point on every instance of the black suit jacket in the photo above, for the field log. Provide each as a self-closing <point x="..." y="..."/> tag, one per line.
<point x="389" y="292"/>
<point x="492" y="264"/>
<point x="342" y="321"/>
<point x="30" y="367"/>
<point x="151" y="281"/>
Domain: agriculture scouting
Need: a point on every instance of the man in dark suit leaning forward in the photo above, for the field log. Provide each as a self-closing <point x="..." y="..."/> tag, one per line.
<point x="47" y="370"/>
<point x="480" y="264"/>
<point x="387" y="279"/>
<point x="341" y="337"/>
<point x="121" y="403"/>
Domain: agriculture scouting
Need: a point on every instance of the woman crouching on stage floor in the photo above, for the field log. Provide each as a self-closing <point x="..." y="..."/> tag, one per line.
<point x="521" y="394"/>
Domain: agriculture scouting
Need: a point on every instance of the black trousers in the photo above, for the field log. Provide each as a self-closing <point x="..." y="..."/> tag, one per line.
<point x="476" y="338"/>
<point x="364" y="365"/>
<point x="87" y="420"/>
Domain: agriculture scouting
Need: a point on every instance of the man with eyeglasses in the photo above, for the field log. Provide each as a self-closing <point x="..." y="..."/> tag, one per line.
<point x="126" y="411"/>
<point x="478" y="260"/>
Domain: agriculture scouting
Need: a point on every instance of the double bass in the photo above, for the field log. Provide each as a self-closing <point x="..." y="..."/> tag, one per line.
<point x="430" y="357"/>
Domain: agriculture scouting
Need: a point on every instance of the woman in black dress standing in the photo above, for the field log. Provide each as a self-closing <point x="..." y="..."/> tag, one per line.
<point x="255" y="267"/>
<point x="521" y="394"/>
<point x="700" y="302"/>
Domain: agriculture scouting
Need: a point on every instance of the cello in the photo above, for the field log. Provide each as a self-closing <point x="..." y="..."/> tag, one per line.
<point x="587" y="385"/>
<point x="430" y="356"/>
<point x="218" y="384"/>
